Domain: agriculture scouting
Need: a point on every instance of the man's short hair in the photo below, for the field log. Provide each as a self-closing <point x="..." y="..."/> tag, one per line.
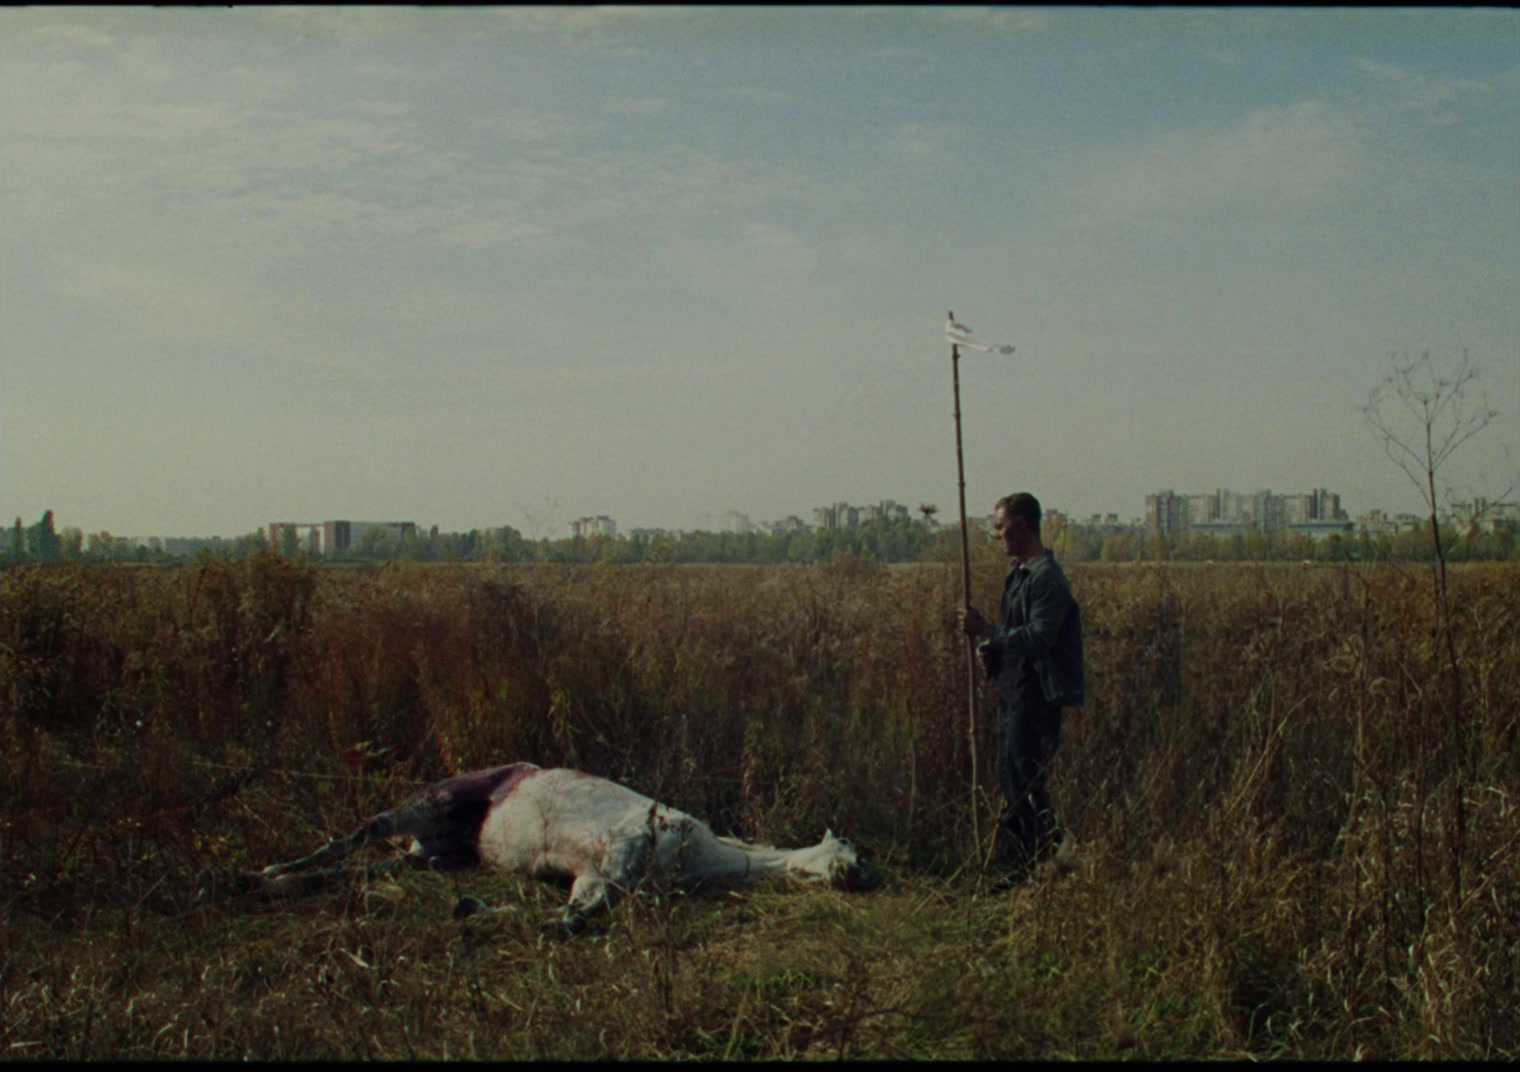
<point x="1022" y="504"/>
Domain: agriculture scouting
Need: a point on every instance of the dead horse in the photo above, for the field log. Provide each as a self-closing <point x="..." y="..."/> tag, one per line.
<point x="561" y="824"/>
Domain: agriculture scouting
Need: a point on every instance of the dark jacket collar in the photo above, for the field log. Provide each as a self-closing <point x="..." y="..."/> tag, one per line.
<point x="1040" y="562"/>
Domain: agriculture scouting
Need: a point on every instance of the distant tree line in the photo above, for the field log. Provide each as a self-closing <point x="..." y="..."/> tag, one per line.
<point x="1077" y="544"/>
<point x="894" y="540"/>
<point x="44" y="542"/>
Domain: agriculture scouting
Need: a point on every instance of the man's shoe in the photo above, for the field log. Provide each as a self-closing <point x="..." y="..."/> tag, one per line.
<point x="1049" y="847"/>
<point x="1009" y="879"/>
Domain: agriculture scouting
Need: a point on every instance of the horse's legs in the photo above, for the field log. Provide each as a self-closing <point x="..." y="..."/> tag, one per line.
<point x="591" y="893"/>
<point x="596" y="891"/>
<point x="406" y="820"/>
<point x="311" y="881"/>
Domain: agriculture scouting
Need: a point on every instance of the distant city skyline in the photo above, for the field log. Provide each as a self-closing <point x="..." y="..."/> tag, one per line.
<point x="1237" y="507"/>
<point x="508" y="266"/>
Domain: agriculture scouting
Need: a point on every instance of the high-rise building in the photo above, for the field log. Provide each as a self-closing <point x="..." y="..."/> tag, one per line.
<point x="734" y="521"/>
<point x="1222" y="510"/>
<point x="1327" y="506"/>
<point x="341" y="535"/>
<point x="1166" y="512"/>
<point x="601" y="525"/>
<point x="1202" y="508"/>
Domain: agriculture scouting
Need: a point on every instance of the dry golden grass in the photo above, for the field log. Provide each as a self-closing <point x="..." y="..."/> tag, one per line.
<point x="1294" y="832"/>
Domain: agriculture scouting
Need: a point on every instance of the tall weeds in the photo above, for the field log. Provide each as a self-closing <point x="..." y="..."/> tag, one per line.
<point x="1278" y="844"/>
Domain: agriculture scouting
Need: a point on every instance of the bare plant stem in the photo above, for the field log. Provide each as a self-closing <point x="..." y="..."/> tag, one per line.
<point x="1445" y="418"/>
<point x="960" y="468"/>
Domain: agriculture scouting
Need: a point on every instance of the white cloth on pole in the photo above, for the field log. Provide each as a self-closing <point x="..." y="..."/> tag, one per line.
<point x="960" y="335"/>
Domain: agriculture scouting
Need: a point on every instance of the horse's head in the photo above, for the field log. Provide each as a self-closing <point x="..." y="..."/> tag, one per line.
<point x="845" y="867"/>
<point x="833" y="860"/>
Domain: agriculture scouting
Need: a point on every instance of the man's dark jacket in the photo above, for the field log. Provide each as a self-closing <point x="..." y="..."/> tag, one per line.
<point x="1041" y="621"/>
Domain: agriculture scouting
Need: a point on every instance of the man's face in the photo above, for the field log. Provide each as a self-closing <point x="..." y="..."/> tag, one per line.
<point x="1006" y="530"/>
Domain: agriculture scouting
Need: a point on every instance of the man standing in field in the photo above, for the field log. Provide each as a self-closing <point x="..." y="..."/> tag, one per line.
<point x="1035" y="655"/>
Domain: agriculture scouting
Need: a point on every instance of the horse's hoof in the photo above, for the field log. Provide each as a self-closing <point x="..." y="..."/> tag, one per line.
<point x="564" y="928"/>
<point x="469" y="906"/>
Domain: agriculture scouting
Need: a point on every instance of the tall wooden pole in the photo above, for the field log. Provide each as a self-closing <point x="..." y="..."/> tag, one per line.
<point x="960" y="468"/>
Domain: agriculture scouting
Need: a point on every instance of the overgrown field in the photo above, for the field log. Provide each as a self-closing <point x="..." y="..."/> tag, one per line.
<point x="1293" y="813"/>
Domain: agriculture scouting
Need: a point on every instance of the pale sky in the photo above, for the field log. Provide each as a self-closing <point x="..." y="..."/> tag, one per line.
<point x="480" y="267"/>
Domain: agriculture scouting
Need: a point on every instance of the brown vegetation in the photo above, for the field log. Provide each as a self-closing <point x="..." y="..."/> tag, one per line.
<point x="1294" y="824"/>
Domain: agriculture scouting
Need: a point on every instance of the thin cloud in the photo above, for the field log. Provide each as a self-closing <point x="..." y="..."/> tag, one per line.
<point x="638" y="106"/>
<point x="349" y="25"/>
<point x="1279" y="162"/>
<point x="995" y="18"/>
<point x="924" y="143"/>
<point x="73" y="35"/>
<point x="1438" y="99"/>
<point x="595" y="17"/>
<point x="759" y="265"/>
<point x="757" y="94"/>
<point x="64" y="31"/>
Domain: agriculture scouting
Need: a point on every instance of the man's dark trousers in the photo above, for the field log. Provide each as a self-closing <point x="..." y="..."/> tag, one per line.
<point x="1029" y="730"/>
